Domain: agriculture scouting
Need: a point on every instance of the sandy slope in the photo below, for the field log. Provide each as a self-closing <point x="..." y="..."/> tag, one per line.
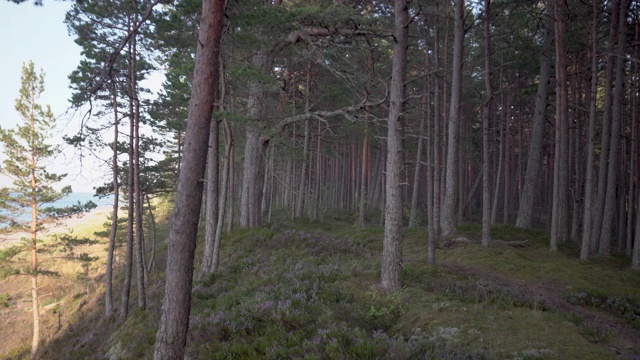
<point x="65" y="225"/>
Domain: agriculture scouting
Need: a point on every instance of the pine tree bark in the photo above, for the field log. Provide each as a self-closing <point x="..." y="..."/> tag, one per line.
<point x="139" y="236"/>
<point x="612" y="172"/>
<point x="434" y="223"/>
<point x="392" y="244"/>
<point x="255" y="145"/>
<point x="224" y="190"/>
<point x="560" y="213"/>
<point x="35" y="342"/>
<point x="448" y="220"/>
<point x="486" y="188"/>
<point x="211" y="216"/>
<point x="171" y="338"/>
<point x="529" y="191"/>
<point x="605" y="134"/>
<point x="109" y="308"/>
<point x="585" y="247"/>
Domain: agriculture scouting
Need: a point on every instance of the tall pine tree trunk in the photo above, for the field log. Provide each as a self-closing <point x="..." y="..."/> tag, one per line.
<point x="530" y="191"/>
<point x="606" y="127"/>
<point x="486" y="188"/>
<point x="612" y="172"/>
<point x="253" y="168"/>
<point x="171" y="338"/>
<point x="448" y="220"/>
<point x="392" y="244"/>
<point x="139" y="236"/>
<point x="587" y="229"/>
<point x="114" y="213"/>
<point x="560" y="211"/>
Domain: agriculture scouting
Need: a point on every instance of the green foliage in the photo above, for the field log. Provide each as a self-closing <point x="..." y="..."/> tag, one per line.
<point x="5" y="300"/>
<point x="385" y="309"/>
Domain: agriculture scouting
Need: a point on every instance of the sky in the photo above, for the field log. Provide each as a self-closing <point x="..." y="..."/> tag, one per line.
<point x="38" y="33"/>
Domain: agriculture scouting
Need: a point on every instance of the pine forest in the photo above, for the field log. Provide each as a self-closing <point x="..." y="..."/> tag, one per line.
<point x="332" y="179"/>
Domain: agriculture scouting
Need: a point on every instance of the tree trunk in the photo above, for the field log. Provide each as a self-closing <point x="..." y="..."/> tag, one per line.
<point x="448" y="221"/>
<point x="171" y="338"/>
<point x="501" y="150"/>
<point x="153" y="236"/>
<point x="211" y="216"/>
<point x="364" y="184"/>
<point x="606" y="127"/>
<point x="35" y="343"/>
<point x="114" y="213"/>
<point x="585" y="247"/>
<point x="392" y="245"/>
<point x="223" y="198"/>
<point x="126" y="288"/>
<point x="253" y="168"/>
<point x="434" y="224"/>
<point x="529" y="191"/>
<point x="560" y="213"/>
<point x="139" y="235"/>
<point x="612" y="172"/>
<point x="486" y="114"/>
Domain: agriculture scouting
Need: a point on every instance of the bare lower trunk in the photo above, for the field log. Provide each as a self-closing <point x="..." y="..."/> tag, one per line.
<point x="530" y="190"/>
<point x="171" y="338"/>
<point x="224" y="190"/>
<point x="585" y="247"/>
<point x="114" y="215"/>
<point x="152" y="258"/>
<point x="392" y="244"/>
<point x="616" y="124"/>
<point x="448" y="220"/>
<point x="606" y="129"/>
<point x="211" y="216"/>
<point x="486" y="188"/>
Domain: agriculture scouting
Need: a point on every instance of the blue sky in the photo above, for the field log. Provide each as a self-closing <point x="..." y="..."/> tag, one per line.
<point x="38" y="33"/>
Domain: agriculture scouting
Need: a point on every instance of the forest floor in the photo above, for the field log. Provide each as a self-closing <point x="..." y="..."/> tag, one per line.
<point x="301" y="289"/>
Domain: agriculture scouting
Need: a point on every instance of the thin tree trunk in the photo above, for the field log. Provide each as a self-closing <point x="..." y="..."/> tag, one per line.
<point x="253" y="168"/>
<point x="434" y="240"/>
<point x="223" y="198"/>
<point x="139" y="236"/>
<point x="114" y="213"/>
<point x="501" y="150"/>
<point x="392" y="244"/>
<point x="365" y="145"/>
<point x="35" y="343"/>
<point x="448" y="220"/>
<point x="634" y="148"/>
<point x="612" y="173"/>
<point x="230" y="196"/>
<point x="529" y="191"/>
<point x="606" y="128"/>
<point x="486" y="114"/>
<point x="561" y="171"/>
<point x="153" y="236"/>
<point x="211" y="208"/>
<point x="593" y="97"/>
<point x="126" y="288"/>
<point x="171" y="338"/>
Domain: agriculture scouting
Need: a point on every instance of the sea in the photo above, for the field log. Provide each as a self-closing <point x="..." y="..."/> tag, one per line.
<point x="69" y="200"/>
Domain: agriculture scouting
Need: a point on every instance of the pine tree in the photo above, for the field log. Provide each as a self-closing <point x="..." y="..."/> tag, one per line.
<point x="27" y="155"/>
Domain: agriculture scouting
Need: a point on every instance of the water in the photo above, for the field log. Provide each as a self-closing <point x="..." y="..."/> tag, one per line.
<point x="71" y="199"/>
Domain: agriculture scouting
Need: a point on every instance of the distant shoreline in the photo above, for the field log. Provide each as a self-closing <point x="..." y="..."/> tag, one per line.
<point x="97" y="214"/>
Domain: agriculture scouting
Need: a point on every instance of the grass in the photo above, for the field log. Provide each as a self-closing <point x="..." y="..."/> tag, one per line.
<point x="303" y="289"/>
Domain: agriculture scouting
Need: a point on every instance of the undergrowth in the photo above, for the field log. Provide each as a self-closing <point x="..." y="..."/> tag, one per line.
<point x="310" y="289"/>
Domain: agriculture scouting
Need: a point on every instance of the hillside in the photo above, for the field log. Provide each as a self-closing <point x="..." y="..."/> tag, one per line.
<point x="310" y="290"/>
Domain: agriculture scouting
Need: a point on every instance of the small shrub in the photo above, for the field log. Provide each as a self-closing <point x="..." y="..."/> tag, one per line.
<point x="5" y="299"/>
